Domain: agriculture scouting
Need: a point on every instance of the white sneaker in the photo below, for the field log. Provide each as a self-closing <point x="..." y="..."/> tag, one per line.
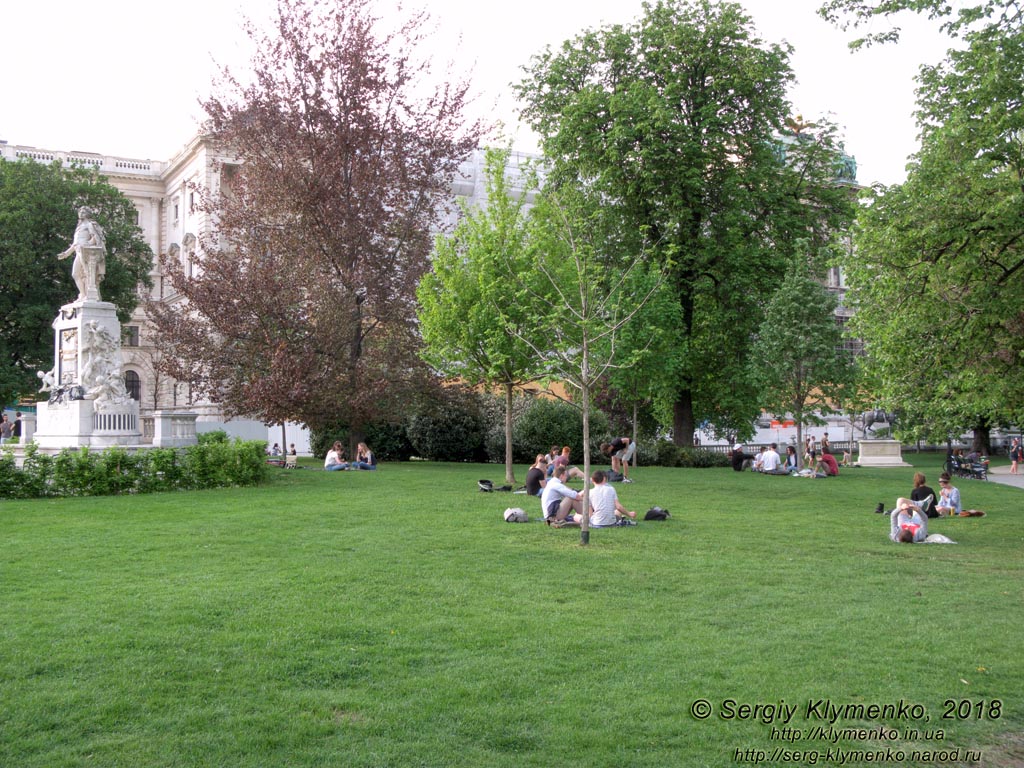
<point x="626" y="480"/>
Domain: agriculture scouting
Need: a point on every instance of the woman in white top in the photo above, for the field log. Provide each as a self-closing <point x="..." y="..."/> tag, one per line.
<point x="335" y="458"/>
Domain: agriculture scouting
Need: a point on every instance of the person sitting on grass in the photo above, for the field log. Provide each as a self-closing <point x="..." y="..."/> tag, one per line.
<point x="740" y="460"/>
<point x="559" y="504"/>
<point x="948" y="503"/>
<point x="562" y="460"/>
<point x="335" y="460"/>
<point x="771" y="462"/>
<point x="605" y="509"/>
<point x="536" y="476"/>
<point x="921" y="492"/>
<point x="792" y="460"/>
<point x="758" y="458"/>
<point x="828" y="464"/>
<point x="364" y="458"/>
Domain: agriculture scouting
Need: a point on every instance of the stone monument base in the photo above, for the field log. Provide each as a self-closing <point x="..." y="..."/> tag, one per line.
<point x="77" y="423"/>
<point x="881" y="453"/>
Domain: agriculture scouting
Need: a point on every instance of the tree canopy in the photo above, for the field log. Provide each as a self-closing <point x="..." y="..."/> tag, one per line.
<point x="577" y="293"/>
<point x="802" y="367"/>
<point x="38" y="215"/>
<point x="304" y="305"/>
<point x="938" y="275"/>
<point x="956" y="18"/>
<point x="676" y="121"/>
<point x="465" y="301"/>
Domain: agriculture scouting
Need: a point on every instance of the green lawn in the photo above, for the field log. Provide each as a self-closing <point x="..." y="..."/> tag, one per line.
<point x="393" y="619"/>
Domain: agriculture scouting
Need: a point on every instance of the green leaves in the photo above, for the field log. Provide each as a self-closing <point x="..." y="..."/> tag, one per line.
<point x="938" y="276"/>
<point x="38" y="205"/>
<point x="673" y="123"/>
<point x="467" y="300"/>
<point x="802" y="368"/>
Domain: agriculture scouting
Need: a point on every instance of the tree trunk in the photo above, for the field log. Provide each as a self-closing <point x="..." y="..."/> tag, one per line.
<point x="510" y="477"/>
<point x="982" y="442"/>
<point x="284" y="439"/>
<point x="682" y="420"/>
<point x="636" y="418"/>
<point x="585" y="522"/>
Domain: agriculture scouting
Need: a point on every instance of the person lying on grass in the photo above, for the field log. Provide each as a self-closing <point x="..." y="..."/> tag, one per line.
<point x="908" y="522"/>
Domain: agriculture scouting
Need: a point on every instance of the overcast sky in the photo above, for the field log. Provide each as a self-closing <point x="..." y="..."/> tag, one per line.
<point x="122" y="77"/>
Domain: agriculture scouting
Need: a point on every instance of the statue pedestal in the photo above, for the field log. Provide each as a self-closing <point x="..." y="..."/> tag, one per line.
<point x="77" y="423"/>
<point x="89" y="405"/>
<point x="881" y="453"/>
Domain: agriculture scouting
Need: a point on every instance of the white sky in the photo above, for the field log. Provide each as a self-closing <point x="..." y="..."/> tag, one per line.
<point x="123" y="77"/>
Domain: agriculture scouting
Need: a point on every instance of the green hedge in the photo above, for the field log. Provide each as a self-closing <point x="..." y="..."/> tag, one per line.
<point x="114" y="471"/>
<point x="668" y="454"/>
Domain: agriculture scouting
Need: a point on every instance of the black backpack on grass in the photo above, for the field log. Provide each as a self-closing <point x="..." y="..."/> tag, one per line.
<point x="657" y="513"/>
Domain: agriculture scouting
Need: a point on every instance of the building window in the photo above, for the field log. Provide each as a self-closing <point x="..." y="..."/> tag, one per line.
<point x="131" y="335"/>
<point x="133" y="384"/>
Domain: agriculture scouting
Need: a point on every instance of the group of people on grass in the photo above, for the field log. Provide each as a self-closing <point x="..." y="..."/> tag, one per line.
<point x="816" y="462"/>
<point x="275" y="450"/>
<point x="619" y="451"/>
<point x="335" y="460"/>
<point x="909" y="520"/>
<point x="562" y="505"/>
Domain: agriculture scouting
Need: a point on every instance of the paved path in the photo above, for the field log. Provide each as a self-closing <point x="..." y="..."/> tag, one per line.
<point x="1001" y="474"/>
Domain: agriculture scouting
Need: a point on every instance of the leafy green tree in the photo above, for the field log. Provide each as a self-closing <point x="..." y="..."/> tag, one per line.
<point x="798" y="353"/>
<point x="38" y="216"/>
<point x="465" y="303"/>
<point x="675" y="123"/>
<point x="938" y="272"/>
<point x="580" y="295"/>
<point x="634" y="383"/>
<point x="956" y="18"/>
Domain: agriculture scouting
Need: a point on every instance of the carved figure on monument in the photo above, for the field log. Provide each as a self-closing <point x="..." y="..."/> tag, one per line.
<point x="101" y="366"/>
<point x="89" y="247"/>
<point x="46" y="379"/>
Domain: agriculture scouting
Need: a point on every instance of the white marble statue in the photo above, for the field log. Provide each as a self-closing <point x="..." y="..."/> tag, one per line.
<point x="101" y="366"/>
<point x="46" y="380"/>
<point x="89" y="247"/>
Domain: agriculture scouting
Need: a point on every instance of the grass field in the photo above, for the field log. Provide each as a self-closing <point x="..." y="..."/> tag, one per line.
<point x="392" y="618"/>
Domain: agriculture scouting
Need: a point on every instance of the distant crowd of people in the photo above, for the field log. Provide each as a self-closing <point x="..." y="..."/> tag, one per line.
<point x="818" y="460"/>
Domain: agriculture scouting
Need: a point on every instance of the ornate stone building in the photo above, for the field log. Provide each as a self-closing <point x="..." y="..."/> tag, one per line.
<point x="165" y="201"/>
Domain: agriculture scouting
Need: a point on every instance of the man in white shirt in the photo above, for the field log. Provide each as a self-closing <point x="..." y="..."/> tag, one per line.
<point x="771" y="462"/>
<point x="605" y="509"/>
<point x="558" y="501"/>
